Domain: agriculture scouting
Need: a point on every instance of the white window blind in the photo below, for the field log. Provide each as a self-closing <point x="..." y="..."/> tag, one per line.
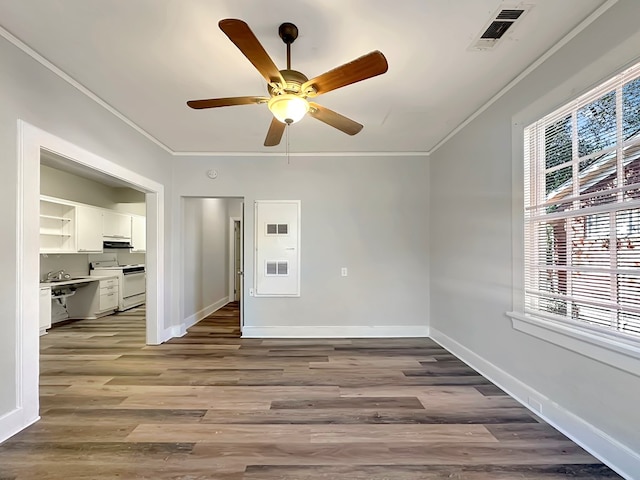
<point x="582" y="209"/>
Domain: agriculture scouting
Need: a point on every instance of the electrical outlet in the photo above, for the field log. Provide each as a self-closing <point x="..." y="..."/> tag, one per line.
<point x="343" y="271"/>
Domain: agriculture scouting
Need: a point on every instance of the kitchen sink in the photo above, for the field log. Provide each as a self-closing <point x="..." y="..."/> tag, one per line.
<point x="67" y="280"/>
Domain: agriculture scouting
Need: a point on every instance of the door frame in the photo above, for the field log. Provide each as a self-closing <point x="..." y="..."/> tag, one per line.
<point x="30" y="142"/>
<point x="232" y="267"/>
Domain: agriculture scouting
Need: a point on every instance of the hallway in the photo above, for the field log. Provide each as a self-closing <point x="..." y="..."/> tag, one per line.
<point x="210" y="406"/>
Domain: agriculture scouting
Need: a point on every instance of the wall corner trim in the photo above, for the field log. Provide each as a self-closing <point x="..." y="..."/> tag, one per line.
<point x="610" y="451"/>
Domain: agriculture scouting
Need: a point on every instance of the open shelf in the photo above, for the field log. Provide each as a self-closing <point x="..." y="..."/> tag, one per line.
<point x="53" y="217"/>
<point x="57" y="227"/>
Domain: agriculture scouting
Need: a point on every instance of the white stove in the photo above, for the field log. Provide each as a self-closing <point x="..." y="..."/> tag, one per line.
<point x="131" y="280"/>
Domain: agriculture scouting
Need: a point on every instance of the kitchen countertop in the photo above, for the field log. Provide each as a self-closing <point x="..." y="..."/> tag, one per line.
<point x="77" y="280"/>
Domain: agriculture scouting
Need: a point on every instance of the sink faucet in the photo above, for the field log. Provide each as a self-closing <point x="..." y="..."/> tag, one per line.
<point x="55" y="276"/>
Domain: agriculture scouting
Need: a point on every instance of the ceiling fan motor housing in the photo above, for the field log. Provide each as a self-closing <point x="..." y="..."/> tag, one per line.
<point x="293" y="79"/>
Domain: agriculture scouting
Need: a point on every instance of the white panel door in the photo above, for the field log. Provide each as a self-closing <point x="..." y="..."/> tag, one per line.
<point x="277" y="229"/>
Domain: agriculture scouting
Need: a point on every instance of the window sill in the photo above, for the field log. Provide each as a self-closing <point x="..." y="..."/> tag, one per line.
<point x="603" y="346"/>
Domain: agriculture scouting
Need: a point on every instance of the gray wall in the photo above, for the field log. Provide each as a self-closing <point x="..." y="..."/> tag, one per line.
<point x="471" y="233"/>
<point x="205" y="236"/>
<point x="30" y="92"/>
<point x="365" y="213"/>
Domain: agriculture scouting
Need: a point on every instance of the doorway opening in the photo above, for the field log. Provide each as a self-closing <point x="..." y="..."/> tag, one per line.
<point x="92" y="226"/>
<point x="32" y="141"/>
<point x="212" y="263"/>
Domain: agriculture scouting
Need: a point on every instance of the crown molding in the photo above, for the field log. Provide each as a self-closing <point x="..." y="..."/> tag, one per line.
<point x="566" y="39"/>
<point x="71" y="81"/>
<point x="78" y="86"/>
<point x="301" y="154"/>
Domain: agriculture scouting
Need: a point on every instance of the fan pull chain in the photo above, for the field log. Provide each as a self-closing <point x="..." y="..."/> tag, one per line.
<point x="288" y="158"/>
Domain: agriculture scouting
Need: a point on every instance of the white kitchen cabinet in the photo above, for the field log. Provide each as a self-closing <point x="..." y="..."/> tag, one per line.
<point x="45" y="309"/>
<point x="138" y="233"/>
<point x="96" y="297"/>
<point x="108" y="300"/>
<point x="89" y="229"/>
<point x="116" y="225"/>
<point x="57" y="227"/>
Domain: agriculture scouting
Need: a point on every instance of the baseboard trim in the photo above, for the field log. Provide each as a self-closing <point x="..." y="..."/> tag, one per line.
<point x="177" y="331"/>
<point x="602" y="446"/>
<point x="14" y="422"/>
<point x="339" y="331"/>
<point x="191" y="320"/>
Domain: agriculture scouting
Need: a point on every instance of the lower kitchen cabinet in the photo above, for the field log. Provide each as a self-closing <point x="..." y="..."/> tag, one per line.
<point x="97" y="298"/>
<point x="108" y="300"/>
<point x="45" y="309"/>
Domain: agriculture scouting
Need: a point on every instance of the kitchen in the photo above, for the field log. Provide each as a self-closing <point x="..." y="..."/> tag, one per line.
<point x="92" y="244"/>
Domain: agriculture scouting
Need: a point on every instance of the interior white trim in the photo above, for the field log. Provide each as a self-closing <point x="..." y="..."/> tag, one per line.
<point x="174" y="331"/>
<point x="561" y="43"/>
<point x="301" y="154"/>
<point x="46" y="63"/>
<point x="30" y="141"/>
<point x="14" y="421"/>
<point x="605" y="347"/>
<point x="602" y="446"/>
<point x="335" y="331"/>
<point x="191" y="320"/>
<point x="232" y="256"/>
<point x="77" y="85"/>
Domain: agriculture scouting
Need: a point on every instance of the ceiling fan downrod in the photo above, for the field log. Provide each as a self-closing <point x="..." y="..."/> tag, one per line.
<point x="288" y="33"/>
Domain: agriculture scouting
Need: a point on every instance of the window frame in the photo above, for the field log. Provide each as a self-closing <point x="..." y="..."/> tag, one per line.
<point x="605" y="345"/>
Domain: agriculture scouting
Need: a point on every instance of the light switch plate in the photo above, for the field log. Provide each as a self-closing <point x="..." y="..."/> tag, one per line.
<point x="343" y="271"/>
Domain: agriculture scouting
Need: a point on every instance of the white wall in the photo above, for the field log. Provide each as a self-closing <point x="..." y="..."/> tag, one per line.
<point x="60" y="184"/>
<point x="234" y="207"/>
<point x="365" y="213"/>
<point x="32" y="93"/>
<point x="205" y="236"/>
<point x="471" y="251"/>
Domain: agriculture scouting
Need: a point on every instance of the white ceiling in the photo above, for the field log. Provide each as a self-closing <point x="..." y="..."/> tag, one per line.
<point x="146" y="58"/>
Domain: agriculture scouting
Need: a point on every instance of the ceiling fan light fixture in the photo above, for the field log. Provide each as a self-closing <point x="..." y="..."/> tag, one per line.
<point x="288" y="108"/>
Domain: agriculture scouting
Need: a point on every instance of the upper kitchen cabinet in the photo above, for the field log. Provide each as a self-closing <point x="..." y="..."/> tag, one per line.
<point x="57" y="227"/>
<point x="138" y="233"/>
<point x="116" y="225"/>
<point x="89" y="229"/>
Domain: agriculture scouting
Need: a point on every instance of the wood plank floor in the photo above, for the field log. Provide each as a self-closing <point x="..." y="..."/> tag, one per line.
<point x="210" y="406"/>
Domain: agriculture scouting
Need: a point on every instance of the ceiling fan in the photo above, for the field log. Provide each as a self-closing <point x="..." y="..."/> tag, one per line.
<point x="289" y="89"/>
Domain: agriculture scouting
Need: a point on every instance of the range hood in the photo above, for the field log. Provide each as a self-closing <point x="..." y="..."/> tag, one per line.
<point x="117" y="244"/>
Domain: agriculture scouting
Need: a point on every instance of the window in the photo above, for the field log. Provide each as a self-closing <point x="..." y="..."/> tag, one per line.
<point x="582" y="209"/>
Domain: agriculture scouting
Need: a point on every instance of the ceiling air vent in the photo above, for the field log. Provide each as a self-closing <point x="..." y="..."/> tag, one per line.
<point x="503" y="20"/>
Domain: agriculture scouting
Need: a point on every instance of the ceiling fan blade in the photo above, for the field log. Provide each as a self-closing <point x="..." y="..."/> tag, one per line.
<point x="225" y="102"/>
<point x="367" y="66"/>
<point x="274" y="135"/>
<point x="243" y="38"/>
<point x="334" y="119"/>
